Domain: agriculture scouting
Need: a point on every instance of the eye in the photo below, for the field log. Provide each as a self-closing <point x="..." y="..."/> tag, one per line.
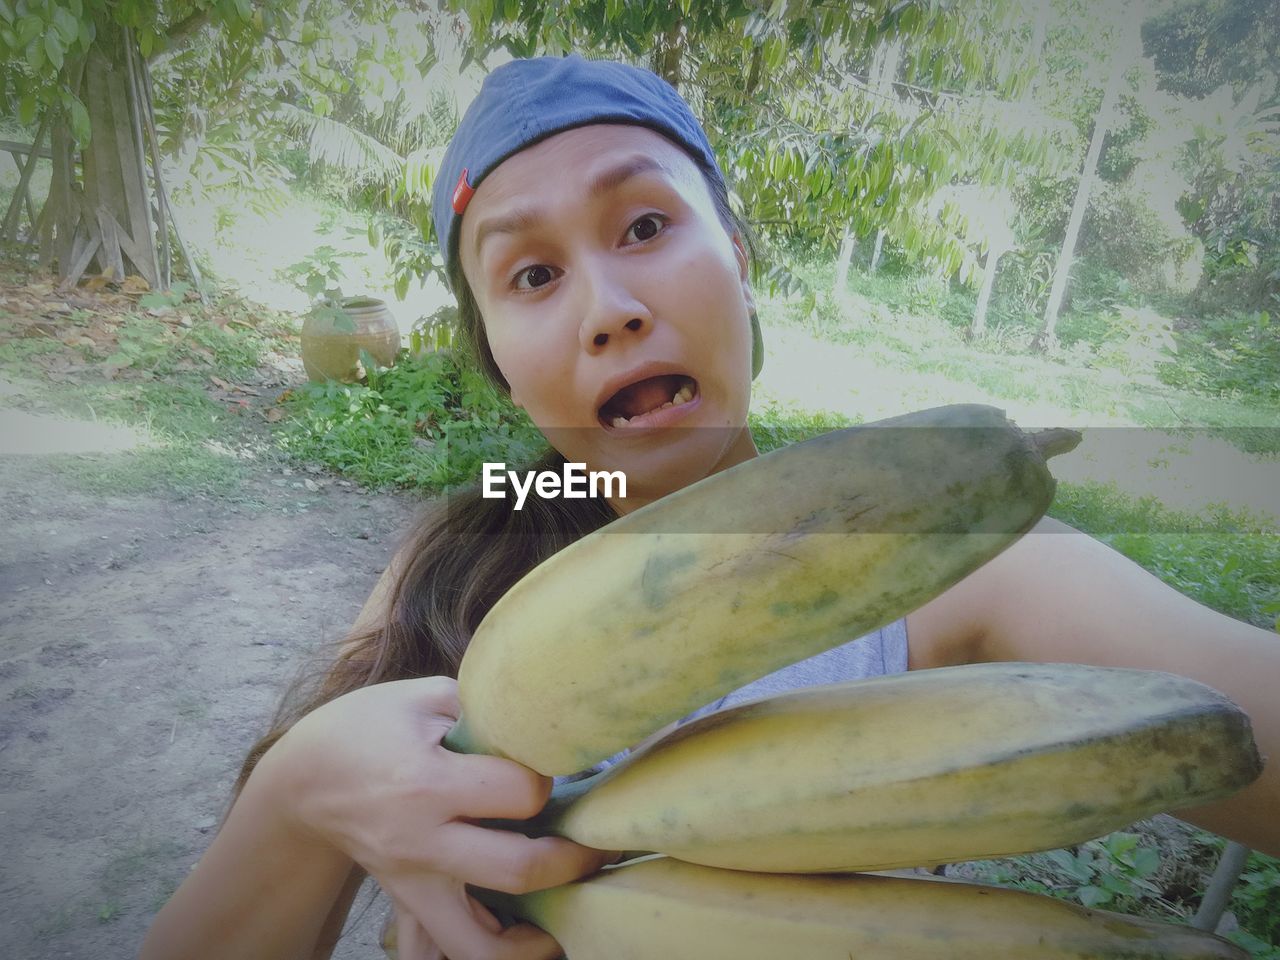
<point x="539" y="271"/>
<point x="649" y="218"/>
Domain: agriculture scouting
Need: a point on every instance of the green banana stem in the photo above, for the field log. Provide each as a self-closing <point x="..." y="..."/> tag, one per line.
<point x="548" y="822"/>
<point x="1056" y="441"/>
<point x="459" y="739"/>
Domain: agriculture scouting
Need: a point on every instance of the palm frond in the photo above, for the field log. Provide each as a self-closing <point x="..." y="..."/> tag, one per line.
<point x="344" y="148"/>
<point x="420" y="171"/>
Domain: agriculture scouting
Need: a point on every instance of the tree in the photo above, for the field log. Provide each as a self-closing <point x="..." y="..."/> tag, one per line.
<point x="1123" y="58"/>
<point x="79" y="69"/>
<point x="819" y="142"/>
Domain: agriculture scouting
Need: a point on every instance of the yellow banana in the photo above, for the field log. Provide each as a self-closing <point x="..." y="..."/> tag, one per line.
<point x="663" y="909"/>
<point x="931" y="766"/>
<point x="758" y="566"/>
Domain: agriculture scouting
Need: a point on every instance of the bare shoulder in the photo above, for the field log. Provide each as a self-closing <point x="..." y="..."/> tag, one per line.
<point x="377" y="608"/>
<point x="1051" y="590"/>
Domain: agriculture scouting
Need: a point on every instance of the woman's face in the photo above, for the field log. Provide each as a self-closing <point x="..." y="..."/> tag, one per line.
<point x="609" y="288"/>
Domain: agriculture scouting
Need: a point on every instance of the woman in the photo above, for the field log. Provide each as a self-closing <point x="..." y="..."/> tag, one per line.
<point x="603" y="282"/>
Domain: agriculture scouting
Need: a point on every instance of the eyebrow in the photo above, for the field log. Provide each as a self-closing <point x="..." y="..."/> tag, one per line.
<point x="607" y="180"/>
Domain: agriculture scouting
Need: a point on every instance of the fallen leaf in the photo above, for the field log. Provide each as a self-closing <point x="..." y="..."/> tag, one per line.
<point x="219" y="382"/>
<point x="135" y="285"/>
<point x="41" y="328"/>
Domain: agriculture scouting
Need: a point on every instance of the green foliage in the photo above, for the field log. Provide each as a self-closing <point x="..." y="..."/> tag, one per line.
<point x="1122" y="147"/>
<point x="43" y="44"/>
<point x="1121" y="232"/>
<point x="37" y="39"/>
<point x="776" y="426"/>
<point x="1234" y="355"/>
<point x="808" y="146"/>
<point x="1201" y="44"/>
<point x="406" y="248"/>
<point x="1256" y="904"/>
<point x="148" y="344"/>
<point x="427" y="422"/>
<point x="1112" y="873"/>
<point x="319" y="274"/>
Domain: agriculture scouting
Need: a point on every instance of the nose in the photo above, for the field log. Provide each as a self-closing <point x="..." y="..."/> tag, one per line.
<point x="609" y="311"/>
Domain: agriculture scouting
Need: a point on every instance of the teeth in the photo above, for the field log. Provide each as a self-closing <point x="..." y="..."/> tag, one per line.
<point x="683" y="395"/>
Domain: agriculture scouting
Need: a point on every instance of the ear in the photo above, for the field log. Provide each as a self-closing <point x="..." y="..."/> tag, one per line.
<point x="744" y="270"/>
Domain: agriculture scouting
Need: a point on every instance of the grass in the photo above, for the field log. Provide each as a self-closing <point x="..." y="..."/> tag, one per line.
<point x="425" y="423"/>
<point x="156" y="377"/>
<point x="1227" y="560"/>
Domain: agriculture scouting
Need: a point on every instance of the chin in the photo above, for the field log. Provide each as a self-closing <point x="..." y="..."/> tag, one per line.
<point x="657" y="470"/>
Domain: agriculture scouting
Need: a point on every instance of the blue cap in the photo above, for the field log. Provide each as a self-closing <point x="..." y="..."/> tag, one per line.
<point x="525" y="101"/>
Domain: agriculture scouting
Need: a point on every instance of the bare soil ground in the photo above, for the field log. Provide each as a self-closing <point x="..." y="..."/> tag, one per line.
<point x="144" y="643"/>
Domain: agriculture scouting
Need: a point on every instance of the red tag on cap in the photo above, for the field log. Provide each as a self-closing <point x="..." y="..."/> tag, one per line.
<point x="462" y="193"/>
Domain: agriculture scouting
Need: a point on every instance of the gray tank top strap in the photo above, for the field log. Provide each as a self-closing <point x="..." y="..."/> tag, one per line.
<point x="881" y="652"/>
<point x="878" y="653"/>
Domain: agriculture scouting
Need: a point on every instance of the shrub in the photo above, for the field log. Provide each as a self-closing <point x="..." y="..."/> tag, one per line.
<point x="427" y="422"/>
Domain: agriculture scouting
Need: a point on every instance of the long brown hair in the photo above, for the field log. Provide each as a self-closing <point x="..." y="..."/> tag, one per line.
<point x="461" y="554"/>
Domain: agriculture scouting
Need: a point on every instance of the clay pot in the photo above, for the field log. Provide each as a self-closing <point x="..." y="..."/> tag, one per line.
<point x="332" y="353"/>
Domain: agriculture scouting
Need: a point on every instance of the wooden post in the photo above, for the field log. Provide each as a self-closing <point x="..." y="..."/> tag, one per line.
<point x="9" y="230"/>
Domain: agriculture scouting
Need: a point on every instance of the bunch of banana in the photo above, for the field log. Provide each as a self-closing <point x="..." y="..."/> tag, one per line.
<point x="617" y="636"/>
<point x="939" y="765"/>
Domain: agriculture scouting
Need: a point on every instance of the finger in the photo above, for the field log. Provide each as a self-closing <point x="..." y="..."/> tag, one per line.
<point x="438" y="695"/>
<point x="512" y="862"/>
<point x="412" y="940"/>
<point x="451" y="919"/>
<point x="491" y="787"/>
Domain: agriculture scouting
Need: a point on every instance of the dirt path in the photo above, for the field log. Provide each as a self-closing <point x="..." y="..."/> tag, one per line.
<point x="143" y="645"/>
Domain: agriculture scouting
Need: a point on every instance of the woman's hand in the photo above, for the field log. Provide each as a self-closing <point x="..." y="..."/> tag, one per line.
<point x="367" y="774"/>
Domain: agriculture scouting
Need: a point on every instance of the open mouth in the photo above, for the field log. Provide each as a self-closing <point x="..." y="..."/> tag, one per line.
<point x="642" y="403"/>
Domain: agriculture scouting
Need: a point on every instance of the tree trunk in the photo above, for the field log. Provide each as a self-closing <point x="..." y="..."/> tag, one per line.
<point x="984" y="295"/>
<point x="670" y="51"/>
<point x="847" y="246"/>
<point x="103" y="222"/>
<point x="875" y="253"/>
<point x="1047" y="338"/>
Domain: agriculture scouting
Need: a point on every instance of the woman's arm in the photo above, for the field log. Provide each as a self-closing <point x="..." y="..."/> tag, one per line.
<point x="1060" y="596"/>
<point x="364" y="780"/>
<point x="263" y="889"/>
